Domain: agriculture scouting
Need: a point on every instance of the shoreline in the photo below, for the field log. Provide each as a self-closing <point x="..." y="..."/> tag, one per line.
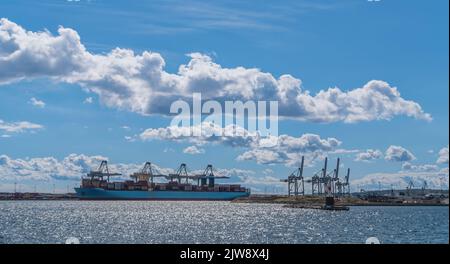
<point x="314" y="201"/>
<point x="294" y="202"/>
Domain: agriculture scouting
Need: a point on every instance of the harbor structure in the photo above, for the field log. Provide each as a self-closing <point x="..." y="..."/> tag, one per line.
<point x="142" y="186"/>
<point x="322" y="182"/>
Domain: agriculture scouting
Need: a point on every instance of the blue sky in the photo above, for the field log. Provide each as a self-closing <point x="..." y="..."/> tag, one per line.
<point x="324" y="44"/>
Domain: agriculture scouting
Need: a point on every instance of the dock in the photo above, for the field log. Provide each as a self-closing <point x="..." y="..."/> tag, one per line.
<point x="312" y="201"/>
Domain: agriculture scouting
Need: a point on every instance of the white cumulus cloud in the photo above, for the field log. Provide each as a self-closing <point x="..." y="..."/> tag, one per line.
<point x="37" y="102"/>
<point x="369" y="155"/>
<point x="139" y="82"/>
<point x="193" y="150"/>
<point x="398" y="153"/>
<point x="443" y="156"/>
<point x="73" y="166"/>
<point x="264" y="150"/>
<point x="263" y="156"/>
<point x="207" y="132"/>
<point x="88" y="100"/>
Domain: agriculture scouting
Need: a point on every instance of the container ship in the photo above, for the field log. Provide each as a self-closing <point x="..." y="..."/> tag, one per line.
<point x="141" y="186"/>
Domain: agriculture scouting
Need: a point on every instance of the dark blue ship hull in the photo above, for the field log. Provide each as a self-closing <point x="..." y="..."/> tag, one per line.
<point x="102" y="194"/>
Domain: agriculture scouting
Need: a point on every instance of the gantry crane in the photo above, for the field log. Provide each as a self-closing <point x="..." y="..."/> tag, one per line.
<point x="145" y="174"/>
<point x="179" y="174"/>
<point x="207" y="177"/>
<point x="102" y="171"/>
<point x="343" y="188"/>
<point x="424" y="187"/>
<point x="409" y="187"/>
<point x="295" y="181"/>
<point x="321" y="182"/>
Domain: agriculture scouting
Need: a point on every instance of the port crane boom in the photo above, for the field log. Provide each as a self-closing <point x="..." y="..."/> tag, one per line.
<point x="145" y="174"/>
<point x="296" y="183"/>
<point x="102" y="171"/>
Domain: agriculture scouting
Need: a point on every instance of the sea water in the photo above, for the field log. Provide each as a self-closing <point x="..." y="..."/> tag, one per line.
<point x="215" y="222"/>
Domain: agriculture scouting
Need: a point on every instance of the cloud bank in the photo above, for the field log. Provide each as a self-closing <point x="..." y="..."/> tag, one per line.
<point x="283" y="149"/>
<point x="418" y="168"/>
<point x="434" y="180"/>
<point x="71" y="167"/>
<point x="74" y="166"/>
<point x="139" y="83"/>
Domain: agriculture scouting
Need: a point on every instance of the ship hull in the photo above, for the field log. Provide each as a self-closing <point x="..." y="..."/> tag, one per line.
<point x="102" y="194"/>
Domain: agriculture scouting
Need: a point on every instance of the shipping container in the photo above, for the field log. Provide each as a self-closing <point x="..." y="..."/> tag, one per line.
<point x="142" y="183"/>
<point x="86" y="182"/>
<point x="224" y="188"/>
<point x="95" y="183"/>
<point x="119" y="185"/>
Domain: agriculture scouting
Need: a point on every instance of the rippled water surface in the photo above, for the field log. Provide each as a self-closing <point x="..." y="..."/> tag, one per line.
<point x="214" y="222"/>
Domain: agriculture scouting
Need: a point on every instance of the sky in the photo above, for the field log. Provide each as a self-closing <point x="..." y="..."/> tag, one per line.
<point x="365" y="81"/>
